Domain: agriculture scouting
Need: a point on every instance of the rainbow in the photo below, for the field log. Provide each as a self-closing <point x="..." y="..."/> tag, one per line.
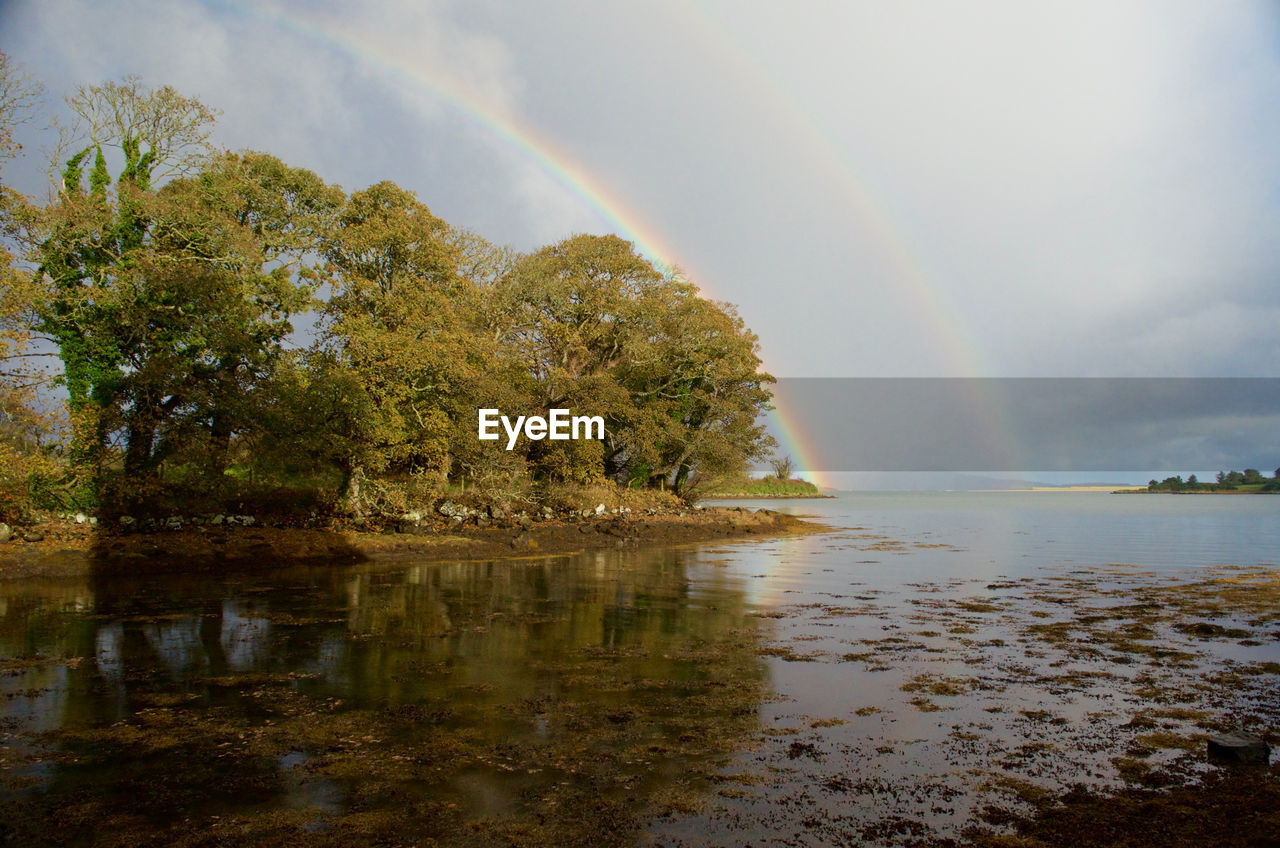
<point x="927" y="299"/>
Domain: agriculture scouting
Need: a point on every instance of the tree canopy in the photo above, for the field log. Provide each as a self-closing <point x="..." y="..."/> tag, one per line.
<point x="219" y="316"/>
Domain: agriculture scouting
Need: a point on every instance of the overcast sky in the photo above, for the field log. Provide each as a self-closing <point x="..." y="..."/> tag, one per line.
<point x="885" y="189"/>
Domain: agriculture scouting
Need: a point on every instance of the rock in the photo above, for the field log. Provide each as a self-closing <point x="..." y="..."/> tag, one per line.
<point x="217" y="520"/>
<point x="93" y="521"/>
<point x="449" y="509"/>
<point x="246" y="520"/>
<point x="5" y="533"/>
<point x="414" y="517"/>
<point x="81" y="518"/>
<point x="525" y="522"/>
<point x="173" y="522"/>
<point x="600" y="509"/>
<point x="128" y="522"/>
<point x="33" y="536"/>
<point x="1239" y="747"/>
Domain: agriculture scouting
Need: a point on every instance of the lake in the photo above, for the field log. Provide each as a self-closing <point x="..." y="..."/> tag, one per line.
<point x="933" y="657"/>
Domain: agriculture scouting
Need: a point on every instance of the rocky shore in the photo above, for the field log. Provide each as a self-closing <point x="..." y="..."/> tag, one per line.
<point x="72" y="545"/>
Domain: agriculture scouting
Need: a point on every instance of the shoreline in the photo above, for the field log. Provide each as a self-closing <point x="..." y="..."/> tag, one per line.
<point x="1145" y="491"/>
<point x="748" y="497"/>
<point x="70" y="550"/>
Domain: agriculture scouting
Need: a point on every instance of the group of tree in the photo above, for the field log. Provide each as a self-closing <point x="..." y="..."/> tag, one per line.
<point x="1250" y="479"/>
<point x="169" y="278"/>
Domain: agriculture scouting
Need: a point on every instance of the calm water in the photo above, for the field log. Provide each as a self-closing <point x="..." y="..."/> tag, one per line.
<point x="857" y="685"/>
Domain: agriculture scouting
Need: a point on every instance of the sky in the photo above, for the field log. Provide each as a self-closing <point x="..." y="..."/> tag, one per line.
<point x="979" y="188"/>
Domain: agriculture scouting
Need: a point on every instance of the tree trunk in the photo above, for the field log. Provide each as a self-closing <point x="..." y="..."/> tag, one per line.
<point x="681" y="476"/>
<point x="219" y="447"/>
<point x="137" y="458"/>
<point x="351" y="489"/>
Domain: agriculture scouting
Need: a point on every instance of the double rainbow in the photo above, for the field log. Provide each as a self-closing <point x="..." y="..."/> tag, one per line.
<point x="926" y="298"/>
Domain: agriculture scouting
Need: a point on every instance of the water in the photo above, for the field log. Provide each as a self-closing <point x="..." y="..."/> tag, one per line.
<point x="876" y="684"/>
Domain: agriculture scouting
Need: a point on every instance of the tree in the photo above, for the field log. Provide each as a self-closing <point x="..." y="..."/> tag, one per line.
<point x="24" y="425"/>
<point x="168" y="305"/>
<point x="676" y="377"/>
<point x="783" y="468"/>
<point x="1252" y="475"/>
<point x="19" y="96"/>
<point x="397" y="320"/>
<point x="160" y="132"/>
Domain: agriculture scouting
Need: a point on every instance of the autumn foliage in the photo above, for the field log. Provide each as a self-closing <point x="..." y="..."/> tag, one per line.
<point x="225" y="323"/>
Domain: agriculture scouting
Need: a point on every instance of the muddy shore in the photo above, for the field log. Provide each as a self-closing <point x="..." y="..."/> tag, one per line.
<point x="68" y="549"/>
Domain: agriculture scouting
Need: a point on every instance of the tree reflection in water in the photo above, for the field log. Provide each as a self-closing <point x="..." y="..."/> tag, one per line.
<point x="544" y="701"/>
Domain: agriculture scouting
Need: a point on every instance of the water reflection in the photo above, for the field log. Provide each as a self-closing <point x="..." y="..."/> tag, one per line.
<point x="533" y="701"/>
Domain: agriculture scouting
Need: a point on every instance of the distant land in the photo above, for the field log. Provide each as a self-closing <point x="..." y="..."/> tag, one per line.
<point x="1247" y="482"/>
<point x="759" y="487"/>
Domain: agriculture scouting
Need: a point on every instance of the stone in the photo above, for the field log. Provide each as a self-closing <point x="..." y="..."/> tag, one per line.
<point x="173" y="522"/>
<point x="246" y="520"/>
<point x="128" y="522"/>
<point x="33" y="536"/>
<point x="81" y="518"/>
<point x="1239" y="747"/>
<point x="93" y="521"/>
<point x="449" y="509"/>
<point x="600" y="509"/>
<point x="5" y="532"/>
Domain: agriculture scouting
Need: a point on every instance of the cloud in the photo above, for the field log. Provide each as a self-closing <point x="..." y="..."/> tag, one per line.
<point x="1058" y="188"/>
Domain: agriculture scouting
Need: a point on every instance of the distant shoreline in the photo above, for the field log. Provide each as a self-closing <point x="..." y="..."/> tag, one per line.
<point x="739" y="496"/>
<point x="1145" y="491"/>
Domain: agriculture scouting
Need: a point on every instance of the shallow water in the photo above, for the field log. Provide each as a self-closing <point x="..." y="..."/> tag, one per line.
<point x="876" y="684"/>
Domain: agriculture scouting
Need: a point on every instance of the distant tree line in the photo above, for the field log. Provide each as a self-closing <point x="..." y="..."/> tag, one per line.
<point x="1227" y="481"/>
<point x="168" y="278"/>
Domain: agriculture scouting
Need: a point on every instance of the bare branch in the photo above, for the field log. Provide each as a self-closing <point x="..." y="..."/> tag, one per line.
<point x="19" y="97"/>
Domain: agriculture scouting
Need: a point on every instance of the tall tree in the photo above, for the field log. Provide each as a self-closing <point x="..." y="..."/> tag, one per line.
<point x="23" y="423"/>
<point x="394" y="320"/>
<point x="169" y="304"/>
<point x="675" y="376"/>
